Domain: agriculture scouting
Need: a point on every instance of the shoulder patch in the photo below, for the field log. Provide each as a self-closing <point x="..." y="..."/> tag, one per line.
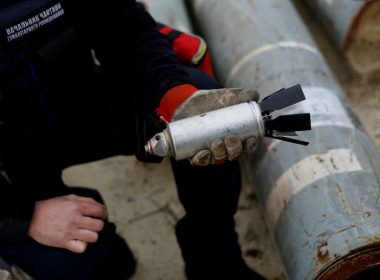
<point x="35" y="21"/>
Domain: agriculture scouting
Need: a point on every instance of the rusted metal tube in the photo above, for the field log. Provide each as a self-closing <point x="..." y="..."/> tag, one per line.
<point x="355" y="27"/>
<point x="321" y="202"/>
<point x="170" y="12"/>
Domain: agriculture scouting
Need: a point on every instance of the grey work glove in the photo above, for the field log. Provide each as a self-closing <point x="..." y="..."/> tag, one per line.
<point x="204" y="101"/>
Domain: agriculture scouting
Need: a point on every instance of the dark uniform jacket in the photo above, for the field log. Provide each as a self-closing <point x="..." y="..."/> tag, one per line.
<point x="126" y="42"/>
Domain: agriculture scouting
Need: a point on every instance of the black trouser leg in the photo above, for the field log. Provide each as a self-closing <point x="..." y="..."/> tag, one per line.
<point x="87" y="125"/>
<point x="109" y="258"/>
<point x="207" y="234"/>
<point x="210" y="195"/>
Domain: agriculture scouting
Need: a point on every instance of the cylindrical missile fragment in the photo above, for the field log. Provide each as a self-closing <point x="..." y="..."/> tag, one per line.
<point x="355" y="27"/>
<point x="321" y="202"/>
<point x="183" y="138"/>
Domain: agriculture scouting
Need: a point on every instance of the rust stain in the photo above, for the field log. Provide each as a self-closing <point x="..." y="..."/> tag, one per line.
<point x="345" y="228"/>
<point x="320" y="160"/>
<point x="356" y="261"/>
<point x="323" y="254"/>
<point x="323" y="234"/>
<point x="367" y="214"/>
<point x="373" y="239"/>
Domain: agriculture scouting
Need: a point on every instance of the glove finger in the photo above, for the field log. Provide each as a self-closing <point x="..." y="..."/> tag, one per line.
<point x="250" y="145"/>
<point x="202" y="158"/>
<point x="218" y="152"/>
<point x="233" y="146"/>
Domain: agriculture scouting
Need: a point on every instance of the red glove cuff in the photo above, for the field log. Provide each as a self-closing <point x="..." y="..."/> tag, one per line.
<point x="173" y="99"/>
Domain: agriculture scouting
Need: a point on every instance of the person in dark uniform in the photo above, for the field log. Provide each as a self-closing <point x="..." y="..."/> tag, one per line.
<point x="57" y="108"/>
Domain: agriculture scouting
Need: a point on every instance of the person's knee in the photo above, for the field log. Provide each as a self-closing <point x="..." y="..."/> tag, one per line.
<point x="108" y="258"/>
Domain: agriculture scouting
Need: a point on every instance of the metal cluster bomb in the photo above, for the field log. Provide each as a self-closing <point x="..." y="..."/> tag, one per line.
<point x="183" y="138"/>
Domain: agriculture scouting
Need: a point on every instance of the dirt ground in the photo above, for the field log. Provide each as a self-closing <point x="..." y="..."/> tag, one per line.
<point x="142" y="200"/>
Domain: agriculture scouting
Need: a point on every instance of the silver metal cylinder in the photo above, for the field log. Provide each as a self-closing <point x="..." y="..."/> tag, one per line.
<point x="184" y="138"/>
<point x="321" y="202"/>
<point x="196" y="133"/>
<point x="355" y="27"/>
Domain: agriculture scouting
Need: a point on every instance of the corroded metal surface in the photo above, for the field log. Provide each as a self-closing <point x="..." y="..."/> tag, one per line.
<point x="337" y="16"/>
<point x="355" y="27"/>
<point x="353" y="263"/>
<point x="321" y="202"/>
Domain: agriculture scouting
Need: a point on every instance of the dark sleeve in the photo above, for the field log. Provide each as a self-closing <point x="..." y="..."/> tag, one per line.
<point x="16" y="210"/>
<point x="128" y="44"/>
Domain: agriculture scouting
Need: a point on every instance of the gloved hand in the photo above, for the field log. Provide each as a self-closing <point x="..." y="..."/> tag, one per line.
<point x="185" y="101"/>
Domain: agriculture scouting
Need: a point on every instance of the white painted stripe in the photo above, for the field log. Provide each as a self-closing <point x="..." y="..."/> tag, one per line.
<point x="320" y="102"/>
<point x="266" y="48"/>
<point x="304" y="173"/>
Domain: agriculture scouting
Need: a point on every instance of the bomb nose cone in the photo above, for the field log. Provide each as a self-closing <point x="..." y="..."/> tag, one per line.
<point x="157" y="145"/>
